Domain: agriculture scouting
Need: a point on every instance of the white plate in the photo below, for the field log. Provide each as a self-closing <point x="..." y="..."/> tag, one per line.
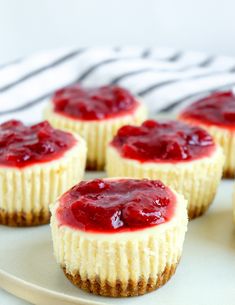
<point x="206" y="274"/>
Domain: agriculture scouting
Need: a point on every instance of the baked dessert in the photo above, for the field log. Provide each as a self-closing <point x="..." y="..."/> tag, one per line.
<point x="216" y="113"/>
<point x="233" y="203"/>
<point x="117" y="243"/>
<point x="37" y="164"/>
<point x="95" y="114"/>
<point x="184" y="157"/>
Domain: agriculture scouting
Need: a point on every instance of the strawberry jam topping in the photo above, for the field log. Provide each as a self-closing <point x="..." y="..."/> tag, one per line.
<point x="216" y="109"/>
<point x="93" y="103"/>
<point x="170" y="141"/>
<point x="109" y="206"/>
<point x="22" y="145"/>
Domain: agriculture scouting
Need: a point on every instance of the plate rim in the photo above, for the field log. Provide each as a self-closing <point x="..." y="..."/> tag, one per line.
<point x="14" y="285"/>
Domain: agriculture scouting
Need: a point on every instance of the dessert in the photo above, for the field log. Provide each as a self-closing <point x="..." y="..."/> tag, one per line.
<point x="184" y="157"/>
<point x="95" y="114"/>
<point x="233" y="203"/>
<point x="37" y="164"/>
<point x="216" y="113"/>
<point x="114" y="242"/>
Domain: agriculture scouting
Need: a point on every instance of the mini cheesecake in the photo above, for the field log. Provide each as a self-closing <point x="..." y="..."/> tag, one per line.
<point x="37" y="164"/>
<point x="95" y="114"/>
<point x="119" y="237"/>
<point x="216" y="113"/>
<point x="184" y="157"/>
<point x="233" y="203"/>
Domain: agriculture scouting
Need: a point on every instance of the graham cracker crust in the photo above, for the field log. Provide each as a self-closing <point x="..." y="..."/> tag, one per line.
<point x="22" y="219"/>
<point x="94" y="166"/>
<point x="197" y="212"/>
<point x="118" y="289"/>
<point x="229" y="174"/>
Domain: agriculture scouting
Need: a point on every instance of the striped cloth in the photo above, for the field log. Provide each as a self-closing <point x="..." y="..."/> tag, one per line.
<point x="164" y="78"/>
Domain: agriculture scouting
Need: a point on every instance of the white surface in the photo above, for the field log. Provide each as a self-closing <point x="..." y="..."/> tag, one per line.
<point x="9" y="299"/>
<point x="204" y="276"/>
<point x="27" y="26"/>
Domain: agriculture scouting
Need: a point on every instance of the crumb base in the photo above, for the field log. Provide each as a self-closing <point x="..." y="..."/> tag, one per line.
<point x="195" y="212"/>
<point x="22" y="219"/>
<point x="120" y="289"/>
<point x="229" y="174"/>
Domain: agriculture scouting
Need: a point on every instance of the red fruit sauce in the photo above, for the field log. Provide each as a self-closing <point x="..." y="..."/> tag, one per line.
<point x="110" y="206"/>
<point x="217" y="109"/>
<point x="22" y="145"/>
<point x="93" y="103"/>
<point x="170" y="141"/>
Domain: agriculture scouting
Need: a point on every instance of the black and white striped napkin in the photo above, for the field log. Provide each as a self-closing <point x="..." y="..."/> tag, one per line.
<point x="164" y="78"/>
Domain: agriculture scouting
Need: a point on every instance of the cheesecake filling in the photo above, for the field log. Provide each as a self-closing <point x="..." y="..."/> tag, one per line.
<point x="93" y="103"/>
<point x="110" y="206"/>
<point x="22" y="145"/>
<point x="217" y="109"/>
<point x="170" y="141"/>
